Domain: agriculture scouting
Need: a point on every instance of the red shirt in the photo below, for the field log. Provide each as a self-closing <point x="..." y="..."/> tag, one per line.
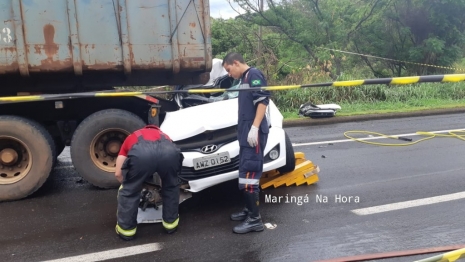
<point x="149" y="133"/>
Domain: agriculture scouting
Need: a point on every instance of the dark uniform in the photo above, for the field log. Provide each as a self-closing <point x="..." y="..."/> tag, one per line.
<point x="251" y="158"/>
<point x="148" y="150"/>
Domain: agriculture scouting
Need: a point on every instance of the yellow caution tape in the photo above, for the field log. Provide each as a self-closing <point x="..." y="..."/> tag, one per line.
<point x="20" y="98"/>
<point x="375" y="81"/>
<point x="194" y="91"/>
<point x="405" y="80"/>
<point x="449" y="256"/>
<point x="349" y="83"/>
<point x="103" y="94"/>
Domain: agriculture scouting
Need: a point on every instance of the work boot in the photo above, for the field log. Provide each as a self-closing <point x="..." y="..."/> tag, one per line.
<point x="171" y="231"/>
<point x="240" y="216"/>
<point x="172" y="227"/>
<point x="253" y="222"/>
<point x="126" y="238"/>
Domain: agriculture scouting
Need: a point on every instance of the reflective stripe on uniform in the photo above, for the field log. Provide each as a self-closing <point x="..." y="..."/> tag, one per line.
<point x="249" y="181"/>
<point x="258" y="100"/>
<point x="119" y="189"/>
<point x="171" y="225"/>
<point x="127" y="233"/>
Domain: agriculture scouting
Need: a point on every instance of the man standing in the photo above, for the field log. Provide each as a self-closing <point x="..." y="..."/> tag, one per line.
<point x="252" y="135"/>
<point x="144" y="152"/>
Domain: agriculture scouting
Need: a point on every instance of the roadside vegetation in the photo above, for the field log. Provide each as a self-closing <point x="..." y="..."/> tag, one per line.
<point x="364" y="100"/>
<point x="307" y="41"/>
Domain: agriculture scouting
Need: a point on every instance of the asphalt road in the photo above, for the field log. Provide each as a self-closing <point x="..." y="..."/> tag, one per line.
<point x="68" y="218"/>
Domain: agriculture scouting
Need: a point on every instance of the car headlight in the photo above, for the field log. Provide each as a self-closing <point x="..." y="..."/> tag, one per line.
<point x="272" y="155"/>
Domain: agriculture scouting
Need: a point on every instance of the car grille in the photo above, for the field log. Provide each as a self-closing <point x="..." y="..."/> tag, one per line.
<point x="216" y="137"/>
<point x="189" y="173"/>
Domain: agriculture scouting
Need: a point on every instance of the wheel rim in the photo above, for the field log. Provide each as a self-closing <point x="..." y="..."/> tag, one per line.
<point x="105" y="147"/>
<point x="15" y="160"/>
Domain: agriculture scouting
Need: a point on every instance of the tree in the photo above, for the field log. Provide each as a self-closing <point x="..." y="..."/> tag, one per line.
<point x="315" y="25"/>
<point x="415" y="31"/>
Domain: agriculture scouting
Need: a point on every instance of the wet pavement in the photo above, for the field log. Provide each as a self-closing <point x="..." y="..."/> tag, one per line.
<point x="68" y="217"/>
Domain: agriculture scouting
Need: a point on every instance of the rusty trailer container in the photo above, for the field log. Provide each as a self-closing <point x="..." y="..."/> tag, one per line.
<point x="57" y="57"/>
<point x="54" y="46"/>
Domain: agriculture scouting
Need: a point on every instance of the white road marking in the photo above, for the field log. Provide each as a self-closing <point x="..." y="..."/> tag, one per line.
<point x="408" y="204"/>
<point x="370" y="138"/>
<point x="110" y="254"/>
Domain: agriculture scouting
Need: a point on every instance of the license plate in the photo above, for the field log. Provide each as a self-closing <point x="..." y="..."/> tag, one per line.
<point x="211" y="161"/>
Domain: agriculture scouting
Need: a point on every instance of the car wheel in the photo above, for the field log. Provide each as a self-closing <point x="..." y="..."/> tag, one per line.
<point x="290" y="157"/>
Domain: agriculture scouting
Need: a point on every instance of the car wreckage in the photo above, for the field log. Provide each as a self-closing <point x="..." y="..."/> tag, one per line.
<point x="205" y="129"/>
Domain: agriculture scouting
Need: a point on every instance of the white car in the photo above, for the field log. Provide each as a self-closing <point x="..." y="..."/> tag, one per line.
<point x="205" y="128"/>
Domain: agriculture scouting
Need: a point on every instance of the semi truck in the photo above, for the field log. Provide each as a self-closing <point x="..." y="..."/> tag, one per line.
<point x="60" y="61"/>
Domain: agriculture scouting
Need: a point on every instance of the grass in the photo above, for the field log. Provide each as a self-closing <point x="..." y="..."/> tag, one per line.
<point x="379" y="99"/>
<point x="353" y="109"/>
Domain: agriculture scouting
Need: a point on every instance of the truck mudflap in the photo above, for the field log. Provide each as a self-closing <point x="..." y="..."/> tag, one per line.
<point x="305" y="172"/>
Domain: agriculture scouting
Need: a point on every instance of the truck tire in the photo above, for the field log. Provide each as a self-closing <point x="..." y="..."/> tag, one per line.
<point x="27" y="154"/>
<point x="290" y="157"/>
<point x="96" y="143"/>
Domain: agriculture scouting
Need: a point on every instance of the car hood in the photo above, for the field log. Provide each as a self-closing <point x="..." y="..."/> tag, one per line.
<point x="195" y="120"/>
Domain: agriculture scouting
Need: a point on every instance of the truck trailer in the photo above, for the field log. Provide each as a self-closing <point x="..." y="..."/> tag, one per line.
<point x="59" y="63"/>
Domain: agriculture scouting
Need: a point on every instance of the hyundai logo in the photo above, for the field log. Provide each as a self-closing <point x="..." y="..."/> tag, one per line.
<point x="209" y="149"/>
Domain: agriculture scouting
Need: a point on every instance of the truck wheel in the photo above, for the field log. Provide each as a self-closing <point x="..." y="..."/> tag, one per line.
<point x="27" y="153"/>
<point x="96" y="143"/>
<point x="290" y="157"/>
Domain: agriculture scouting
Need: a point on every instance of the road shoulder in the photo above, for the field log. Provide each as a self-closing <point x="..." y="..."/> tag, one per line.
<point x="307" y="121"/>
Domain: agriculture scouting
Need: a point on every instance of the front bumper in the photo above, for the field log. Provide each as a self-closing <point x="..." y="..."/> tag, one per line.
<point x="199" y="180"/>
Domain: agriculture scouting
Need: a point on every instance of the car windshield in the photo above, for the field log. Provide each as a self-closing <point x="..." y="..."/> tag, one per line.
<point x="219" y="79"/>
<point x="230" y="95"/>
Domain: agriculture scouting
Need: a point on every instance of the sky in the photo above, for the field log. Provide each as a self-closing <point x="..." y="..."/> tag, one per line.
<point x="222" y="9"/>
